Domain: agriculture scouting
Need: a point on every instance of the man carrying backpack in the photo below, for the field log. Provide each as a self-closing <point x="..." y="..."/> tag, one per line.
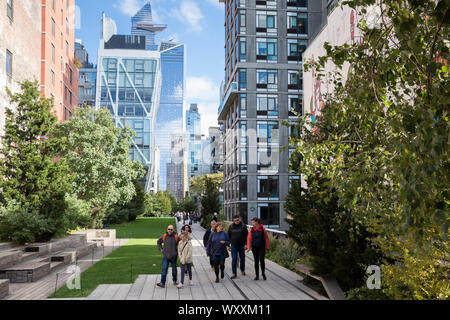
<point x="170" y="255"/>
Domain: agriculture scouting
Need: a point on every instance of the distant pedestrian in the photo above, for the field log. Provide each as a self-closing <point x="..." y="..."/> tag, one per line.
<point x="215" y="217"/>
<point x="206" y="238"/>
<point x="237" y="232"/>
<point x="258" y="242"/>
<point x="217" y="249"/>
<point x="185" y="254"/>
<point x="170" y="255"/>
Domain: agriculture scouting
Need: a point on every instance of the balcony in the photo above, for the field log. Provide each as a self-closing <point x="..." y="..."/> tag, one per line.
<point x="228" y="99"/>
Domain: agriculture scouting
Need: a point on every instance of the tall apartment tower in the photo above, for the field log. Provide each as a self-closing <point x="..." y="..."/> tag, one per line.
<point x="263" y="87"/>
<point x="59" y="75"/>
<point x="87" y="76"/>
<point x="20" y="47"/>
<point x="176" y="169"/>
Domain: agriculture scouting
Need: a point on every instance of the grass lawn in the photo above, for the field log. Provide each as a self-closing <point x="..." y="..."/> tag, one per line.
<point x="141" y="252"/>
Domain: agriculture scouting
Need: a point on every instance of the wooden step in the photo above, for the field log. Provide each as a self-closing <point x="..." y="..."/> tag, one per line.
<point x="10" y="257"/>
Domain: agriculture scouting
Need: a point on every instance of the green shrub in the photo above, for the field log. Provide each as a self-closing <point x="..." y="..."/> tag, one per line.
<point x="77" y="212"/>
<point x="365" y="293"/>
<point x="22" y="225"/>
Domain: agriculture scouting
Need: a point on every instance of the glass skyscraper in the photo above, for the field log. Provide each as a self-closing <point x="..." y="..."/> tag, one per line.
<point x="193" y="128"/>
<point x="129" y="85"/>
<point x="169" y="119"/>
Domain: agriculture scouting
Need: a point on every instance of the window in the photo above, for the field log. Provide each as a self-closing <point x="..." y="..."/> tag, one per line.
<point x="243" y="187"/>
<point x="295" y="80"/>
<point x="294" y="180"/>
<point x="295" y="105"/>
<point x="244" y="138"/>
<point x="268" y="132"/>
<point x="67" y="25"/>
<point x="243" y="212"/>
<point x="296" y="49"/>
<point x="266" y="21"/>
<point x="242" y="49"/>
<point x="53" y="4"/>
<point x="243" y="105"/>
<point x="242" y="79"/>
<point x="70" y="75"/>
<point x="269" y="213"/>
<point x="297" y="3"/>
<point x="67" y="49"/>
<point x="53" y="26"/>
<point x="242" y="22"/>
<point x="268" y="188"/>
<point x="266" y="49"/>
<point x="53" y="78"/>
<point x="53" y="53"/>
<point x="70" y="97"/>
<point x="268" y="158"/>
<point x="267" y="106"/>
<point x="297" y="23"/>
<point x="9" y="9"/>
<point x="9" y="63"/>
<point x="67" y="4"/>
<point x="266" y="79"/>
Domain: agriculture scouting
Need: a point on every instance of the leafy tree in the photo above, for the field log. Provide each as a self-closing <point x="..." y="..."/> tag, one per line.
<point x="31" y="176"/>
<point x="97" y="154"/>
<point x="198" y="184"/>
<point x="163" y="203"/>
<point x="381" y="143"/>
<point x="188" y="205"/>
<point x="338" y="246"/>
<point x="210" y="200"/>
<point x="130" y="211"/>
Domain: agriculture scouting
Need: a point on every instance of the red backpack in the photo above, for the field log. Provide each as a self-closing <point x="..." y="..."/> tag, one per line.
<point x="164" y="237"/>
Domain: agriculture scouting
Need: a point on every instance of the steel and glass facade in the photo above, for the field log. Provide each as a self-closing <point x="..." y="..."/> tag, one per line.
<point x="170" y="115"/>
<point x="129" y="84"/>
<point x="194" y="141"/>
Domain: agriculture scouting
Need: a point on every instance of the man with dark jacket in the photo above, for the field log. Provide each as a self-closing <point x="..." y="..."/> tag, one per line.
<point x="206" y="238"/>
<point x="170" y="255"/>
<point x="237" y="232"/>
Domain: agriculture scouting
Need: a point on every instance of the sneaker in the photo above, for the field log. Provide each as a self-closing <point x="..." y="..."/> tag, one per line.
<point x="180" y="286"/>
<point x="159" y="284"/>
<point x="222" y="275"/>
<point x="191" y="283"/>
<point x="243" y="273"/>
<point x="256" y="278"/>
<point x="233" y="276"/>
<point x="175" y="283"/>
<point x="264" y="276"/>
<point x="217" y="280"/>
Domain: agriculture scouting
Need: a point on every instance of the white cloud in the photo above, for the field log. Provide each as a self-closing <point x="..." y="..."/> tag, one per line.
<point x="217" y="4"/>
<point x="189" y="13"/>
<point x="129" y="7"/>
<point x="205" y="93"/>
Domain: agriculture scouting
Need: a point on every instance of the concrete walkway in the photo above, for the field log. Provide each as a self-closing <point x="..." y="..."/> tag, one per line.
<point x="281" y="283"/>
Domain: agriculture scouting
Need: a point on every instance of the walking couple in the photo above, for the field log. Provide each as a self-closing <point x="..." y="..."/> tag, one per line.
<point x="174" y="248"/>
<point x="237" y="240"/>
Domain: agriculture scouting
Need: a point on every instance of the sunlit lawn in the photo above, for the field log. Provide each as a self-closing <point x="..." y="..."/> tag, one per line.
<point x="139" y="255"/>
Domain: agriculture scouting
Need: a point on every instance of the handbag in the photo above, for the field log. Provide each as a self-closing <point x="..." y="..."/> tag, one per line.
<point x="226" y="254"/>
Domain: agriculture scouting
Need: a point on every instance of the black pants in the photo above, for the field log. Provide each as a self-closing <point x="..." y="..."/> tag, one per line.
<point x="259" y="254"/>
<point x="220" y="264"/>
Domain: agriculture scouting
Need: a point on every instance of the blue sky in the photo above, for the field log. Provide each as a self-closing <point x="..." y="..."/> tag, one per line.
<point x="197" y="23"/>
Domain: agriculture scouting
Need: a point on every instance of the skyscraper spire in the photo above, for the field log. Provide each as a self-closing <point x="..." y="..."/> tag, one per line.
<point x="142" y="25"/>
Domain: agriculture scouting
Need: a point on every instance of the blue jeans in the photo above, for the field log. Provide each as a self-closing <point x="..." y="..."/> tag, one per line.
<point x="234" y="253"/>
<point x="165" y="267"/>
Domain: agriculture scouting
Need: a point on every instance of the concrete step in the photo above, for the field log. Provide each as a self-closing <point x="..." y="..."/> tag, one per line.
<point x="29" y="271"/>
<point x="4" y="288"/>
<point x="54" y="265"/>
<point x="10" y="257"/>
<point x="6" y="245"/>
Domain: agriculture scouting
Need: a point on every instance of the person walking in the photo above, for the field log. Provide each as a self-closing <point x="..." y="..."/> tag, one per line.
<point x="237" y="232"/>
<point x="186" y="228"/>
<point x="258" y="242"/>
<point x="217" y="249"/>
<point x="206" y="238"/>
<point x="185" y="254"/>
<point x="170" y="255"/>
<point x="215" y="217"/>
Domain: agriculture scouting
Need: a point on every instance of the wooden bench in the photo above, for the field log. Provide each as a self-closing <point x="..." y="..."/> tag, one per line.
<point x="331" y="286"/>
